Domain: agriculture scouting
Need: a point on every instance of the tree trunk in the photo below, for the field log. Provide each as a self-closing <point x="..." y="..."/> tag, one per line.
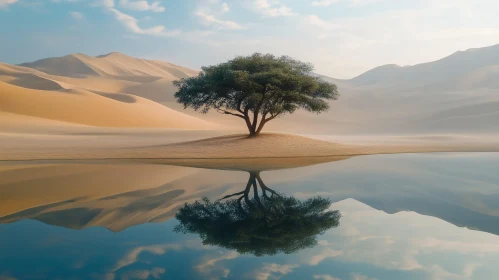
<point x="253" y="134"/>
<point x="253" y="128"/>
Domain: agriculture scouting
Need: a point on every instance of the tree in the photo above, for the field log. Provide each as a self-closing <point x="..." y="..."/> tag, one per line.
<point x="257" y="89"/>
<point x="267" y="223"/>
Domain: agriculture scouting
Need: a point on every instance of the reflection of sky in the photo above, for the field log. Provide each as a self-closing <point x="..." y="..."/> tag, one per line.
<point x="369" y="244"/>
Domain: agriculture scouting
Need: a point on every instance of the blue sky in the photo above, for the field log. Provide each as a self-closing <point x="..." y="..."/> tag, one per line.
<point x="342" y="38"/>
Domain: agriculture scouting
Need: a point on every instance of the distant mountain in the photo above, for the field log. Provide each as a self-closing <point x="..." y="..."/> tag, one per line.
<point x="470" y="68"/>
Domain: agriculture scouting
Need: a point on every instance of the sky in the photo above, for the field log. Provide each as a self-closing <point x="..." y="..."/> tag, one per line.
<point x="342" y="38"/>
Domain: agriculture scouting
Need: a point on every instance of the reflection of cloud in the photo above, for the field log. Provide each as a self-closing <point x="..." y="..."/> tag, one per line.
<point x="208" y="266"/>
<point x="358" y="276"/>
<point x="154" y="273"/>
<point x="5" y="3"/>
<point x="107" y="276"/>
<point x="403" y="241"/>
<point x="77" y="15"/>
<point x="325" y="277"/>
<point x="269" y="270"/>
<point x="326" y="253"/>
<point x="458" y="246"/>
<point x="440" y="273"/>
<point x="133" y="255"/>
<point x="5" y="276"/>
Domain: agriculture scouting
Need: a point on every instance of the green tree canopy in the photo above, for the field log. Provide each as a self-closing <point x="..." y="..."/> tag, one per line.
<point x="257" y="89"/>
<point x="265" y="224"/>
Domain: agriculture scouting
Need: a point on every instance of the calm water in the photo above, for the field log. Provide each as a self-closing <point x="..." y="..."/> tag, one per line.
<point x="364" y="218"/>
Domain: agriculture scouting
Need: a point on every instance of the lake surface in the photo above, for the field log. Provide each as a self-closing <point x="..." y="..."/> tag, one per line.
<point x="427" y="216"/>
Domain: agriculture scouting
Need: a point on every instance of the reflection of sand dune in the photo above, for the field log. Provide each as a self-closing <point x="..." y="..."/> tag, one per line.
<point x="113" y="196"/>
<point x="116" y="196"/>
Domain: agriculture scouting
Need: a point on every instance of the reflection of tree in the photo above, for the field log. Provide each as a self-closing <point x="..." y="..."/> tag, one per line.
<point x="258" y="222"/>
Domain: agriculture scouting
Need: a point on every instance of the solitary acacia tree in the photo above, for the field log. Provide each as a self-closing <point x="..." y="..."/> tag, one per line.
<point x="258" y="222"/>
<point x="257" y="89"/>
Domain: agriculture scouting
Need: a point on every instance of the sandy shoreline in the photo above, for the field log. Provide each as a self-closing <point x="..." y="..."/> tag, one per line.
<point x="269" y="151"/>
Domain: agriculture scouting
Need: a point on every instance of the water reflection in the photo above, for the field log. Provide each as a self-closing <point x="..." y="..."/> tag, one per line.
<point x="258" y="220"/>
<point x="398" y="220"/>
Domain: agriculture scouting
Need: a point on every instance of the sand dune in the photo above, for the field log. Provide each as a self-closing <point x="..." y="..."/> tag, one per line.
<point x="84" y="107"/>
<point x="98" y="91"/>
<point x="161" y="90"/>
<point x="113" y="64"/>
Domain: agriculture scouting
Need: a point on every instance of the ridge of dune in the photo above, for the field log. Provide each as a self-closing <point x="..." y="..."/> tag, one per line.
<point x="161" y="90"/>
<point x="84" y="107"/>
<point x="112" y="65"/>
<point x="75" y="65"/>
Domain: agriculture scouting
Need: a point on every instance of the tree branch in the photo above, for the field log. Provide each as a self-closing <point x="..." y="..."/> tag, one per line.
<point x="239" y="103"/>
<point x="229" y="113"/>
<point x="230" y="195"/>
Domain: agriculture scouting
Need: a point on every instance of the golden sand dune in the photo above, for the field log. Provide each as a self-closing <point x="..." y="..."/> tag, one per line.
<point x="84" y="107"/>
<point x="104" y="91"/>
<point x="113" y="64"/>
<point x="160" y="90"/>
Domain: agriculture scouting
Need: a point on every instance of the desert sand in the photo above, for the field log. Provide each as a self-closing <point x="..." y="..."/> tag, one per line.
<point x="116" y="107"/>
<point x="453" y="95"/>
<point x="182" y="147"/>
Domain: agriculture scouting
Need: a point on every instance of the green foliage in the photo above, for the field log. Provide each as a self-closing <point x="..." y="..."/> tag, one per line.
<point x="259" y="226"/>
<point x="263" y="85"/>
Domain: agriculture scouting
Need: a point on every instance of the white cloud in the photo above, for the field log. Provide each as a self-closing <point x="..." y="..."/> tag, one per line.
<point x="77" y="15"/>
<point x="211" y="20"/>
<point x="325" y="25"/>
<point x="132" y="25"/>
<point x="325" y="277"/>
<point x="142" y="5"/>
<point x="324" y="3"/>
<point x="5" y="3"/>
<point x="271" y="9"/>
<point x="65" y="1"/>
<point x="353" y="3"/>
<point x="359" y="3"/>
<point x="225" y="8"/>
<point x="104" y="3"/>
